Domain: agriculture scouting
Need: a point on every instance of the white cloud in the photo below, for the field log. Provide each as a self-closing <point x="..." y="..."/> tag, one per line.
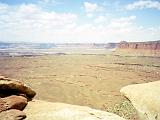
<point x="49" y="2"/>
<point x="3" y="7"/>
<point x="26" y="21"/>
<point x="115" y="30"/>
<point x="122" y="22"/>
<point x="89" y="15"/>
<point x="90" y="7"/>
<point x="144" y="4"/>
<point x="29" y="22"/>
<point x="100" y="19"/>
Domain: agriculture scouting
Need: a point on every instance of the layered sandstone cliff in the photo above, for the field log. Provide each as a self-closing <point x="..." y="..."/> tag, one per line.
<point x="152" y="45"/>
<point x="151" y="48"/>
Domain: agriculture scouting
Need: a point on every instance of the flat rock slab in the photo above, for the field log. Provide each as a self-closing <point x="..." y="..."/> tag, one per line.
<point x="41" y="110"/>
<point x="12" y="114"/>
<point x="145" y="98"/>
<point x="12" y="87"/>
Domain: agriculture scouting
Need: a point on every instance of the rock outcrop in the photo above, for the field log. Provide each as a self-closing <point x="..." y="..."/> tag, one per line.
<point x="12" y="102"/>
<point x="12" y="114"/>
<point x="145" y="98"/>
<point x="14" y="96"/>
<point x="152" y="45"/>
<point x="151" y="48"/>
<point x="12" y="87"/>
<point x="41" y="110"/>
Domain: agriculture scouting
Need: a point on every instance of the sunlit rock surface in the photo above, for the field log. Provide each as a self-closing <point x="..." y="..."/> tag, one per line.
<point x="145" y="98"/>
<point x="41" y="110"/>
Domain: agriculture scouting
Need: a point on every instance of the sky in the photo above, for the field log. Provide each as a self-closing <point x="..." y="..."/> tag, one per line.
<point x="79" y="21"/>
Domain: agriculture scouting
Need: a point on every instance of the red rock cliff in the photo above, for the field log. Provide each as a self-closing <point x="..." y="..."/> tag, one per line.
<point x="152" y="45"/>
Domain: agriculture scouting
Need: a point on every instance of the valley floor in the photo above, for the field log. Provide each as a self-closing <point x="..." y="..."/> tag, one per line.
<point x="88" y="80"/>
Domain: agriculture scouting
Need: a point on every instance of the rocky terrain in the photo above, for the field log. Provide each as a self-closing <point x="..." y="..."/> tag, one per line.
<point x="14" y="96"/>
<point x="40" y="110"/>
<point x="151" y="48"/>
<point x="85" y="80"/>
<point x="152" y="45"/>
<point x="19" y="104"/>
<point x="145" y="98"/>
<point x="18" y="95"/>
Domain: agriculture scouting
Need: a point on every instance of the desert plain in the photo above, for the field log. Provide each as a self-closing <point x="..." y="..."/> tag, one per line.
<point x="92" y="80"/>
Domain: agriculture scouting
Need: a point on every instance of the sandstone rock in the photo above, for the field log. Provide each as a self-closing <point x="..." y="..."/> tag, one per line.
<point x="13" y="87"/>
<point x="145" y="98"/>
<point x="12" y="102"/>
<point x="151" y="48"/>
<point x="152" y="45"/>
<point x="40" y="110"/>
<point x="2" y="77"/>
<point x="12" y="114"/>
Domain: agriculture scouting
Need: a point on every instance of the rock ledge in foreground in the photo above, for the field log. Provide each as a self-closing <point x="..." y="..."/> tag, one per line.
<point x="41" y="110"/>
<point x="145" y="98"/>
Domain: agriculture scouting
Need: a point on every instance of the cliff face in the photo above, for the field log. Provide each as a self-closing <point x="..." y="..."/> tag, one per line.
<point x="151" y="48"/>
<point x="154" y="45"/>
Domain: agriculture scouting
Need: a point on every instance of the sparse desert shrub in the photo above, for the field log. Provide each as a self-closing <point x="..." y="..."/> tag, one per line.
<point x="125" y="110"/>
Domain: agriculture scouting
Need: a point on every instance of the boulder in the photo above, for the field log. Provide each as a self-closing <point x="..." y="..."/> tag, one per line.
<point x="145" y="98"/>
<point x="12" y="114"/>
<point x="12" y="102"/>
<point x="41" y="110"/>
<point x="12" y="87"/>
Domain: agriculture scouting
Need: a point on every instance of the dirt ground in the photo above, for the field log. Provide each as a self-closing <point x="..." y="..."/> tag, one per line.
<point x="89" y="80"/>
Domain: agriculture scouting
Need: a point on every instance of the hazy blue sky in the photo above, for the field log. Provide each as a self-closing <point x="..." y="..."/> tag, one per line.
<point x="89" y="21"/>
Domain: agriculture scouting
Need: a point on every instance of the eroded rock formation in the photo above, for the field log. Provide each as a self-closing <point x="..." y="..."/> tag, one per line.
<point x="153" y="45"/>
<point x="139" y="48"/>
<point x="145" y="98"/>
<point x="14" y="87"/>
<point x="14" y="96"/>
<point x="12" y="102"/>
